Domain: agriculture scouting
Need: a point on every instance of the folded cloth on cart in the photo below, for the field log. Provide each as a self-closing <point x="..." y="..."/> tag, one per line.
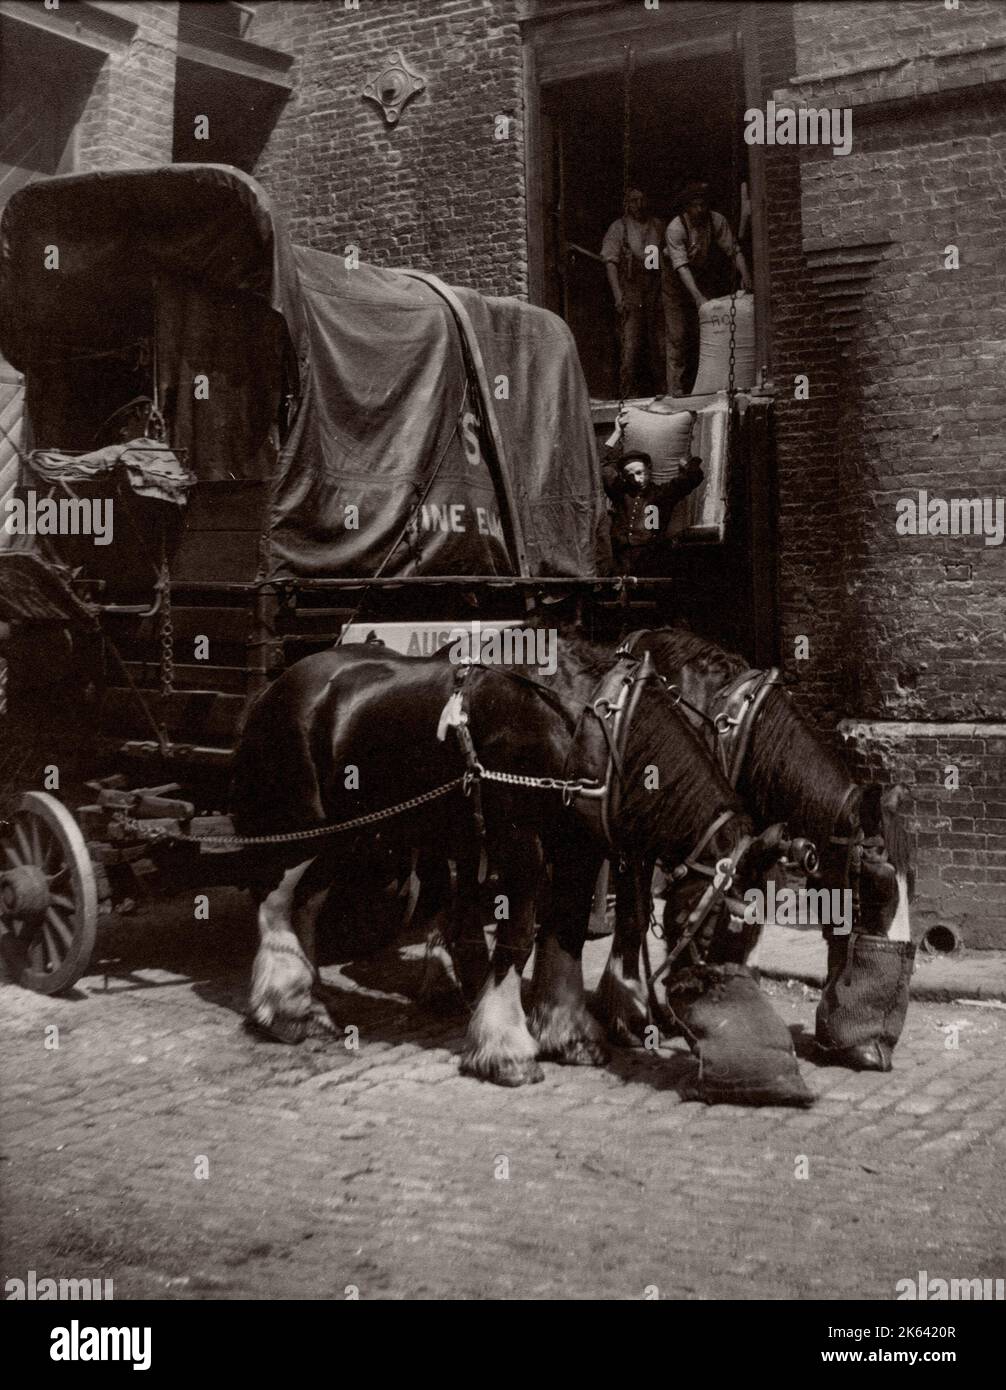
<point x="34" y="590"/>
<point x="151" y="468"/>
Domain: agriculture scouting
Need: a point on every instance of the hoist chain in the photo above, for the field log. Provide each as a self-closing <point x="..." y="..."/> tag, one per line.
<point x="732" y="376"/>
<point x="623" y="312"/>
<point x="167" y="634"/>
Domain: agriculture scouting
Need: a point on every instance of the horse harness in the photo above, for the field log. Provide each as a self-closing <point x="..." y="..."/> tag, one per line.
<point x="739" y="704"/>
<point x="599" y="741"/>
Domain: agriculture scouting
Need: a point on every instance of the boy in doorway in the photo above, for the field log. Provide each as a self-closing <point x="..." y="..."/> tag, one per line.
<point x="641" y="509"/>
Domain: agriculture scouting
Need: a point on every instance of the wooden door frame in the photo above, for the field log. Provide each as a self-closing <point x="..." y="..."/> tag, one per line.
<point x="562" y="48"/>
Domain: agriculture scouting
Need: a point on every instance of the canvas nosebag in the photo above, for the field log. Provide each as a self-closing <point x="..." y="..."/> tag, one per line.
<point x="745" y="1051"/>
<point x="864" y="1000"/>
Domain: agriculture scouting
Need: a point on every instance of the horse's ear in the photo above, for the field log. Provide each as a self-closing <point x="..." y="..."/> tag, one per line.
<point x="870" y="809"/>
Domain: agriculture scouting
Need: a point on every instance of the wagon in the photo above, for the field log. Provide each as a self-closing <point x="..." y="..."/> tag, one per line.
<point x="237" y="451"/>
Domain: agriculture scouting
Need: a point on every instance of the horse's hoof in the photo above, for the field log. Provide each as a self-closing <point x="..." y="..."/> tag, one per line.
<point x="621" y="1014"/>
<point x="279" y="1029"/>
<point x="502" y="1071"/>
<point x="577" y="1052"/>
<point x="868" y="1056"/>
<point x="320" y="1024"/>
<point x="622" y="1032"/>
<point x="572" y="1039"/>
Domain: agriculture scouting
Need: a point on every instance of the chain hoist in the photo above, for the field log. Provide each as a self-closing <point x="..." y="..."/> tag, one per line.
<point x="731" y="378"/>
<point x="623" y="311"/>
<point x="167" y="632"/>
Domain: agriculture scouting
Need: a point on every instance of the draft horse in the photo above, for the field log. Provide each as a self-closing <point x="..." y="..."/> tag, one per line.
<point x="783" y="770"/>
<point x="555" y="778"/>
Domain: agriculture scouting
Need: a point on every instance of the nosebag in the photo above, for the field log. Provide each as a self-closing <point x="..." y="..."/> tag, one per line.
<point x="745" y="1051"/>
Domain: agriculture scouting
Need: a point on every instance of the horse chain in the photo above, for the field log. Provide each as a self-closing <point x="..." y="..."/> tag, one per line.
<point x="146" y="832"/>
<point x="548" y="784"/>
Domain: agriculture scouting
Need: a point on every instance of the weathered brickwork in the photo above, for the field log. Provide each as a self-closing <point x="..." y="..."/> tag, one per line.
<point x="859" y="35"/>
<point x="921" y="641"/>
<point x="810" y="478"/>
<point x="957" y="776"/>
<point x="127" y="116"/>
<point x="437" y="191"/>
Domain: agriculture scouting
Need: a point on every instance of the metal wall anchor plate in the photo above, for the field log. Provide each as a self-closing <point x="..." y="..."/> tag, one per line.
<point x="393" y="88"/>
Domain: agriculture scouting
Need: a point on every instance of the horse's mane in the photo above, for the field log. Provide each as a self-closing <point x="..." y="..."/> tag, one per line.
<point x="898" y="844"/>
<point x="679" y="646"/>
<point x="692" y="790"/>
<point x="784" y="746"/>
<point x="584" y="656"/>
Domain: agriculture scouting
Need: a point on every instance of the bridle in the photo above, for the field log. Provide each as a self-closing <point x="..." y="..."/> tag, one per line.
<point x="721" y="879"/>
<point x="740" y="703"/>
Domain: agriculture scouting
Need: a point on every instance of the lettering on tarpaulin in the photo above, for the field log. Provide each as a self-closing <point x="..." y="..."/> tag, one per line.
<point x="451" y="518"/>
<point x="470" y="440"/>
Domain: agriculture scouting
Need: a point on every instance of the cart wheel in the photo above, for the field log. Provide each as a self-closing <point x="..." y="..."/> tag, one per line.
<point x="48" y="896"/>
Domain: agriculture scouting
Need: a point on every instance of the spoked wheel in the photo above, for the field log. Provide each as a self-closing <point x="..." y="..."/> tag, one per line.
<point x="48" y="895"/>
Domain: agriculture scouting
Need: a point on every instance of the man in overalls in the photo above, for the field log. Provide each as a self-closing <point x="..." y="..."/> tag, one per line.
<point x="631" y="252"/>
<point x="705" y="260"/>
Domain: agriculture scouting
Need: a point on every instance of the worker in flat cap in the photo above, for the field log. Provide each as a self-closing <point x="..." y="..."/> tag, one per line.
<point x="641" y="509"/>
<point x="705" y="262"/>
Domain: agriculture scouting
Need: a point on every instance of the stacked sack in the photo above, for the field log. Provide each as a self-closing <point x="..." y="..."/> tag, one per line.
<point x="714" y="345"/>
<point x="665" y="438"/>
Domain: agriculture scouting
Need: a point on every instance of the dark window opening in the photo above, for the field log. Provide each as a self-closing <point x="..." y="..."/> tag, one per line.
<point x="239" y="111"/>
<point x="685" y="122"/>
<point x="30" y="147"/>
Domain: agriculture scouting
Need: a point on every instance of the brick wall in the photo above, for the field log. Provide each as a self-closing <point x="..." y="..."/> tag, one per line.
<point x="918" y="649"/>
<point x="810" y="478"/>
<point x="127" y="114"/>
<point x="436" y="191"/>
<point x="957" y="777"/>
<point x="853" y="35"/>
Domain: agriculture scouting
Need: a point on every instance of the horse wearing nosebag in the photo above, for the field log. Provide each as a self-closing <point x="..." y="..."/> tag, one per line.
<point x="784" y="771"/>
<point x="556" y="778"/>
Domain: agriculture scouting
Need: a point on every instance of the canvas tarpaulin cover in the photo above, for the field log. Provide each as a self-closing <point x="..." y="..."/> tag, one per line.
<point x="409" y="449"/>
<point x="390" y="461"/>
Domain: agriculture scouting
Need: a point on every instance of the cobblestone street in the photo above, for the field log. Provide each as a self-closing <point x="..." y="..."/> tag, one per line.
<point x="383" y="1169"/>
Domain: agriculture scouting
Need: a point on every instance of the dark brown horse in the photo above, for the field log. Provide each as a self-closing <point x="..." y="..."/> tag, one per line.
<point x="785" y="772"/>
<point x="347" y="733"/>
